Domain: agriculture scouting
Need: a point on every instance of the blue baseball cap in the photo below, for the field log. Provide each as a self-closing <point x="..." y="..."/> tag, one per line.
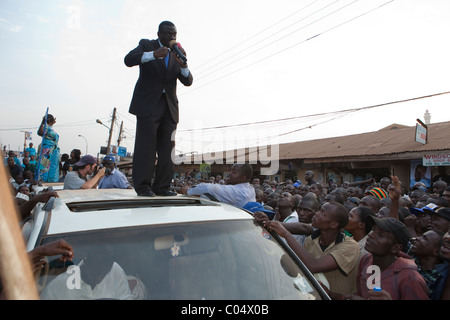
<point x="258" y="207"/>
<point x="429" y="208"/>
<point x="109" y="158"/>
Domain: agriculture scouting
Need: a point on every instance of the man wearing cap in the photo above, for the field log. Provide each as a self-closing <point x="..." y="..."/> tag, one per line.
<point x="113" y="179"/>
<point x="440" y="221"/>
<point x="79" y="179"/>
<point x="378" y="192"/>
<point x="423" y="216"/>
<point x="398" y="274"/>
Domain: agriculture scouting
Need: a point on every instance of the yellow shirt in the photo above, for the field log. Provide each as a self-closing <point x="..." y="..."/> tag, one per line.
<point x="345" y="252"/>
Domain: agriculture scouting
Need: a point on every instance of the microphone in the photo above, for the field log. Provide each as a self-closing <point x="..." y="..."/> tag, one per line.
<point x="175" y="46"/>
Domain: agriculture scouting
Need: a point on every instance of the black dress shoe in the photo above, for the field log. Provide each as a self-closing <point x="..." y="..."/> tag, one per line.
<point x="167" y="193"/>
<point x="146" y="194"/>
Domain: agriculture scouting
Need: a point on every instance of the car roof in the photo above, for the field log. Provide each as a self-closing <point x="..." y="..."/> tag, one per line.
<point x="83" y="210"/>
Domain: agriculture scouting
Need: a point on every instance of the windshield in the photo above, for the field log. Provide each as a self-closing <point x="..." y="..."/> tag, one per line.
<point x="223" y="260"/>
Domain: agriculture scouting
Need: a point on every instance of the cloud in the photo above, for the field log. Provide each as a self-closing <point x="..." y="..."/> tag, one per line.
<point x="10" y="26"/>
<point x="42" y="19"/>
<point x="16" y="28"/>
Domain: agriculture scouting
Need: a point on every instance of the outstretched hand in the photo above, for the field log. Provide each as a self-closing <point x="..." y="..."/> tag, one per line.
<point x="45" y="196"/>
<point x="395" y="191"/>
<point x="60" y="247"/>
<point x="260" y="217"/>
<point x="277" y="227"/>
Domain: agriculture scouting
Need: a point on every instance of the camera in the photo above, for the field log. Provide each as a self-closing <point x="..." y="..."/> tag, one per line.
<point x="96" y="169"/>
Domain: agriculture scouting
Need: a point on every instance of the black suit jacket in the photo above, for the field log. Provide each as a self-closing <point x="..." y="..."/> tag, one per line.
<point x="154" y="77"/>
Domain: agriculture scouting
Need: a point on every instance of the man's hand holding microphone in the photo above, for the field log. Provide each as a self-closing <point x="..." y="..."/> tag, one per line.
<point x="180" y="53"/>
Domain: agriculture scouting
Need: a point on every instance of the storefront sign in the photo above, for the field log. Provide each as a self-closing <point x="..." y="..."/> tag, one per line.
<point x="421" y="132"/>
<point x="441" y="159"/>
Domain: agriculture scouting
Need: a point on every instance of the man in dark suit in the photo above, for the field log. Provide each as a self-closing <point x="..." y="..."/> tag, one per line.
<point x="155" y="105"/>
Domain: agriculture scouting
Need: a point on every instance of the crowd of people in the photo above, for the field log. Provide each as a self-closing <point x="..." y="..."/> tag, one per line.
<point x="344" y="231"/>
<point x="370" y="239"/>
<point x="340" y="231"/>
<point x="405" y="234"/>
<point x="75" y="171"/>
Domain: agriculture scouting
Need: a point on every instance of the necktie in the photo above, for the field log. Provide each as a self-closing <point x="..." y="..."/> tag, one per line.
<point x="166" y="59"/>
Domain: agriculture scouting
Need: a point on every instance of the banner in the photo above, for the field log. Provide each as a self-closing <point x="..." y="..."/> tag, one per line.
<point x="421" y="132"/>
<point x="122" y="152"/>
<point x="442" y="159"/>
<point x="419" y="173"/>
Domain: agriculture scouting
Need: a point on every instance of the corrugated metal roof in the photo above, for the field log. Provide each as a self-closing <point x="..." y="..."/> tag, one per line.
<point x="394" y="139"/>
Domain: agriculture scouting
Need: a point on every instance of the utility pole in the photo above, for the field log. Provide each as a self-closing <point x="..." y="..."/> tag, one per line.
<point x="111" y="129"/>
<point x="25" y="141"/>
<point x="120" y="134"/>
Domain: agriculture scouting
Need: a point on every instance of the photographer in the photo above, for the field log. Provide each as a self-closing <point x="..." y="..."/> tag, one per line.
<point x="87" y="166"/>
<point x="113" y="179"/>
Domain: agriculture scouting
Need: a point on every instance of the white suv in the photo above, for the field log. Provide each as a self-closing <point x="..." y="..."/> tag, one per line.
<point x="130" y="247"/>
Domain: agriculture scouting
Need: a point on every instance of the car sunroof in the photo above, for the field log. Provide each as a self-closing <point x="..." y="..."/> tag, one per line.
<point x="82" y="206"/>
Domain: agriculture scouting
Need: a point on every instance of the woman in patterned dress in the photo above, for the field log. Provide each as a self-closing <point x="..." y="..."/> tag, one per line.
<point x="47" y="169"/>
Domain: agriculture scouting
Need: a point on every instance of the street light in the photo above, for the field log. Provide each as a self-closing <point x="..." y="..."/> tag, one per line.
<point x="110" y="129"/>
<point x="98" y="121"/>
<point x="85" y="141"/>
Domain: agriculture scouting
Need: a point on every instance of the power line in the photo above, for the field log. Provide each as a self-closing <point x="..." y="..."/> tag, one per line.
<point x="265" y="39"/>
<point x="279" y="39"/>
<point x="84" y="122"/>
<point x="256" y="34"/>
<point x="318" y="114"/>
<point x="287" y="48"/>
<point x="261" y="122"/>
<point x="340" y="113"/>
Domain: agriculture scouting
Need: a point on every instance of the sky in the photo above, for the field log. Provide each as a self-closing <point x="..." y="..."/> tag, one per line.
<point x="264" y="72"/>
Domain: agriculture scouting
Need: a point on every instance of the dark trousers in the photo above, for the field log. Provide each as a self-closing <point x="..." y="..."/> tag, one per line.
<point x="154" y="141"/>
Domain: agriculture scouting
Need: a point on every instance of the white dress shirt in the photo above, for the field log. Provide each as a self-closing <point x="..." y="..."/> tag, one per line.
<point x="237" y="194"/>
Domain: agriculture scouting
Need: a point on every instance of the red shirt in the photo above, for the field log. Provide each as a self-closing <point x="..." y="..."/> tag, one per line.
<point x="401" y="279"/>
